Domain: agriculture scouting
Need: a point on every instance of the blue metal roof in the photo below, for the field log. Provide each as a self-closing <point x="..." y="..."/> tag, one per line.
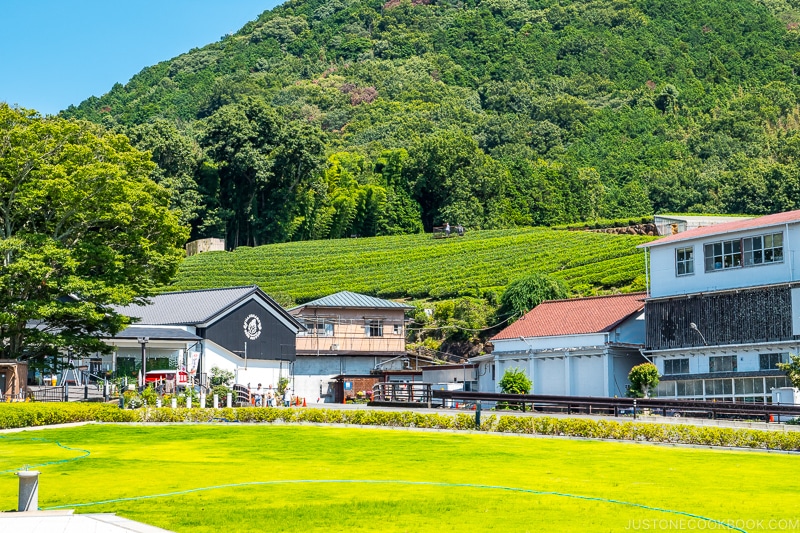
<point x="352" y="299"/>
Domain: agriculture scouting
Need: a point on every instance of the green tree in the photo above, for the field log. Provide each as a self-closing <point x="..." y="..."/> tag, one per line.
<point x="526" y="293"/>
<point x="178" y="157"/>
<point x="82" y="229"/>
<point x="263" y="165"/>
<point x="643" y="378"/>
<point x="515" y="381"/>
<point x="792" y="369"/>
<point x="221" y="377"/>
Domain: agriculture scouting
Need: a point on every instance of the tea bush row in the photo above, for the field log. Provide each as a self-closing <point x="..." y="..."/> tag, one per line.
<point x="418" y="266"/>
<point x="31" y="414"/>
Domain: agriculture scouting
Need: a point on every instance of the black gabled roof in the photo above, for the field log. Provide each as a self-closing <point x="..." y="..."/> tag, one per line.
<point x="198" y="307"/>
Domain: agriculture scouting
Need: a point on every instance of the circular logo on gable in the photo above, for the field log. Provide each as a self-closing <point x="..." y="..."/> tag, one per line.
<point x="252" y="327"/>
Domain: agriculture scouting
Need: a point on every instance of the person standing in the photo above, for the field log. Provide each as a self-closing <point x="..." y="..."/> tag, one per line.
<point x="259" y="396"/>
<point x="287" y="396"/>
<point x="446" y="229"/>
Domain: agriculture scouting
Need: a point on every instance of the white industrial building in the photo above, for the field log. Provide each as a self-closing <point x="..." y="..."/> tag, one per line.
<point x="576" y="347"/>
<point x="724" y="308"/>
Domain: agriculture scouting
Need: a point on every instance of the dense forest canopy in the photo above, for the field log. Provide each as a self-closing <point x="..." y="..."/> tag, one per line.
<point x="324" y="119"/>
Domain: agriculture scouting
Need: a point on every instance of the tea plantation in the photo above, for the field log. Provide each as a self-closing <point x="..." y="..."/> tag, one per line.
<point x="419" y="266"/>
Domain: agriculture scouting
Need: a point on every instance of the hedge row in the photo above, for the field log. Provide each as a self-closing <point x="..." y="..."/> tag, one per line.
<point x="18" y="415"/>
<point x="30" y="414"/>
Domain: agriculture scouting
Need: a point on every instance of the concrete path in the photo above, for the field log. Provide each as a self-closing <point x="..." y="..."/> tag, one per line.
<point x="67" y="522"/>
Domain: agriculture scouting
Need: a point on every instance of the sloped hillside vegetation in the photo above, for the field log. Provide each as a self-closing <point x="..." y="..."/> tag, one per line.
<point x="325" y="119"/>
<point x="479" y="264"/>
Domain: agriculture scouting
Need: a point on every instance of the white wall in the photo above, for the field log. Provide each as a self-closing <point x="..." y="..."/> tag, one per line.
<point x="631" y="331"/>
<point x="665" y="282"/>
<point x="312" y="374"/>
<point x="550" y="376"/>
<point x="620" y="368"/>
<point x="449" y="375"/>
<point x="266" y="372"/>
<point x="586" y="373"/>
<point x="747" y="357"/>
<point x="549" y="343"/>
<point x="486" y="383"/>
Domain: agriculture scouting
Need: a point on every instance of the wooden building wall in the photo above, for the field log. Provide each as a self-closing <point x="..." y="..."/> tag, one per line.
<point x="763" y="314"/>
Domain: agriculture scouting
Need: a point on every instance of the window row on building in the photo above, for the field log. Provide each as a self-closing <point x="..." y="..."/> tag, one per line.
<point x="327" y="328"/>
<point x="724" y="363"/>
<point x="732" y="253"/>
<point x="744" y="389"/>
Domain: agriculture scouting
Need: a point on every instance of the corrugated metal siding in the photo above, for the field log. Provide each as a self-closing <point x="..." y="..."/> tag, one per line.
<point x="352" y="299"/>
<point x="189" y="307"/>
<point x="736" y="317"/>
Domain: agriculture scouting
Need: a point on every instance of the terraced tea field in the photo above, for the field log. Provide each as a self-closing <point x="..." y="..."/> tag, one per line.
<point x="418" y="266"/>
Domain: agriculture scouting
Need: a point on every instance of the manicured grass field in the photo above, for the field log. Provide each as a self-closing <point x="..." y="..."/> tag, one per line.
<point x="306" y="478"/>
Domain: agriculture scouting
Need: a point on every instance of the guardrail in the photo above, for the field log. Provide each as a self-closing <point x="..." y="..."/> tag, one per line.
<point x="622" y="406"/>
<point x="49" y="394"/>
<point x="403" y="393"/>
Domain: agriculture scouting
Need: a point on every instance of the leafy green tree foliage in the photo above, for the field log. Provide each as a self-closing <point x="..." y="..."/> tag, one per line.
<point x="470" y="317"/>
<point x="643" y="378"/>
<point x="177" y="156"/>
<point x="262" y="163"/>
<point x="82" y="229"/>
<point x="510" y="112"/>
<point x="454" y="181"/>
<point x="352" y="198"/>
<point x="792" y="369"/>
<point x="526" y="293"/>
<point x="515" y="381"/>
<point x="402" y="213"/>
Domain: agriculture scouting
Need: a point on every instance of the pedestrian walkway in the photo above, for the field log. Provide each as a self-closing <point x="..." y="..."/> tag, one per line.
<point x="67" y="522"/>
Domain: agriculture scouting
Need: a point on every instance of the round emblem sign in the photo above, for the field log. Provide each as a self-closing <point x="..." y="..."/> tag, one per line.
<point x="252" y="327"/>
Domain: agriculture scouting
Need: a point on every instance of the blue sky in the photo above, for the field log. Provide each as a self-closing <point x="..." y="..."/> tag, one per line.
<point x="57" y="53"/>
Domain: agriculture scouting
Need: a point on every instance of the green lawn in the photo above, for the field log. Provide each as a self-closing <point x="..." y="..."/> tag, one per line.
<point x="304" y="478"/>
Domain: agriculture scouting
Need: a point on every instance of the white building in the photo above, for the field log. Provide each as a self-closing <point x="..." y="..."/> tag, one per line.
<point x="724" y="308"/>
<point x="576" y="347"/>
<point x="240" y="329"/>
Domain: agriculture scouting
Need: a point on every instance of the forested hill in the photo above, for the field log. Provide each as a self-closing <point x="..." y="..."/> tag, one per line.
<point x="331" y="118"/>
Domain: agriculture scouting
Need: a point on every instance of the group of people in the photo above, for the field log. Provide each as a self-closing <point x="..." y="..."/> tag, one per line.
<point x="270" y="396"/>
<point x="459" y="230"/>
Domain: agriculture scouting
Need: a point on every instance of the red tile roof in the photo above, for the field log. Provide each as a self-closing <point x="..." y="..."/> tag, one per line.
<point x="777" y="219"/>
<point x="575" y="316"/>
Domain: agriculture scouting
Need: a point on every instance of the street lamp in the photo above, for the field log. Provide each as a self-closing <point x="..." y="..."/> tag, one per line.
<point x="693" y="326"/>
<point x="531" y="362"/>
<point x="143" y="341"/>
<point x="530" y="346"/>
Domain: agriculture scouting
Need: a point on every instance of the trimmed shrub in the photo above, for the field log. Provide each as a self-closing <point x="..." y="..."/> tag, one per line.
<point x="15" y="415"/>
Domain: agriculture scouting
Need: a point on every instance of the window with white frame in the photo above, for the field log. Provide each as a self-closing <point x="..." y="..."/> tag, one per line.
<point x="769" y="361"/>
<point x="722" y="363"/>
<point x="397" y="329"/>
<point x="317" y="328"/>
<point x="750" y="251"/>
<point x="684" y="261"/>
<point x="763" y="249"/>
<point x="723" y="255"/>
<point x="676" y="366"/>
<point x="374" y="328"/>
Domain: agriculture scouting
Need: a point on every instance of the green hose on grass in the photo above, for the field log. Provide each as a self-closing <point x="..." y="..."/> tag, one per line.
<point x="401" y="482"/>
